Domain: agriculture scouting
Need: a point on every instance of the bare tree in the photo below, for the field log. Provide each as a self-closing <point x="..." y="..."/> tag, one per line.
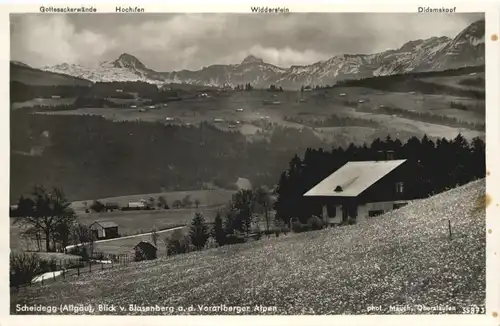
<point x="154" y="237"/>
<point x="83" y="236"/>
<point x="45" y="212"/>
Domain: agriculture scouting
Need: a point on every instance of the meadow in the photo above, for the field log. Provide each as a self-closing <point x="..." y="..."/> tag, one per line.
<point x="206" y="198"/>
<point x="403" y="257"/>
<point x="246" y="111"/>
<point x="138" y="222"/>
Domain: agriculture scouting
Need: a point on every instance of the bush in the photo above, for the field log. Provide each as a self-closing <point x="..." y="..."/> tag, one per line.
<point x="81" y="251"/>
<point x="315" y="223"/>
<point x="23" y="268"/>
<point x="178" y="243"/>
<point x="256" y="235"/>
<point x="46" y="266"/>
<point x="211" y="243"/>
<point x="297" y="227"/>
<point x="186" y="201"/>
<point x="177" y="204"/>
<point x="97" y="206"/>
<point x="235" y="238"/>
<point x="75" y="264"/>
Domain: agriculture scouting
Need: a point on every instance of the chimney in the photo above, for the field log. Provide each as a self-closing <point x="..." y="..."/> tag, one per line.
<point x="389" y="155"/>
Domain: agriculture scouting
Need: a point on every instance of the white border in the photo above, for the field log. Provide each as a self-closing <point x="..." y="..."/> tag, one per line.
<point x="492" y="10"/>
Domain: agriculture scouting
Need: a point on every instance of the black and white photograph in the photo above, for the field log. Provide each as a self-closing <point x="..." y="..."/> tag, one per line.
<point x="329" y="163"/>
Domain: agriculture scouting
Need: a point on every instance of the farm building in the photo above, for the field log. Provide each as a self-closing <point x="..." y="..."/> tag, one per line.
<point x="104" y="230"/>
<point x="145" y="251"/>
<point x="111" y="207"/>
<point x="361" y="190"/>
<point x="137" y="205"/>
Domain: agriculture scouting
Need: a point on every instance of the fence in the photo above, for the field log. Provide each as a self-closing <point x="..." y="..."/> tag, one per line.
<point x="55" y="269"/>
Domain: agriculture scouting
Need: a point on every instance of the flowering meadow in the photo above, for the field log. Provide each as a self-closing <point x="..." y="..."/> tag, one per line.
<point x="403" y="258"/>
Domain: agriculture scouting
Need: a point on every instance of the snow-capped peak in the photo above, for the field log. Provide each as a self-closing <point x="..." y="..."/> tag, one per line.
<point x="251" y="59"/>
<point x="435" y="53"/>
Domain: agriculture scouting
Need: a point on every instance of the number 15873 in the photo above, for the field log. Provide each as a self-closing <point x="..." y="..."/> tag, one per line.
<point x="474" y="310"/>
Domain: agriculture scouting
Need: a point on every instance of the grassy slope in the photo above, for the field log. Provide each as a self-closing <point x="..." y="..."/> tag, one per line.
<point x="403" y="257"/>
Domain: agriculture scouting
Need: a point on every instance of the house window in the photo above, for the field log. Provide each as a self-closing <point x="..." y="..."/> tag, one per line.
<point x="399" y="187"/>
<point x="398" y="205"/>
<point x="375" y="213"/>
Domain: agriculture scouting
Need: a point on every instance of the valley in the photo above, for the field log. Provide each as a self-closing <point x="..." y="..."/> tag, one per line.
<point x="328" y="165"/>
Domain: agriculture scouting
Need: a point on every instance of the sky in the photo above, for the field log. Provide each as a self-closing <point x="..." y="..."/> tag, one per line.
<point x="172" y="42"/>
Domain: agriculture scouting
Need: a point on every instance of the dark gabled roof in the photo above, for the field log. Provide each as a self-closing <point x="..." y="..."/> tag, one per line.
<point x="353" y="178"/>
<point x="105" y="224"/>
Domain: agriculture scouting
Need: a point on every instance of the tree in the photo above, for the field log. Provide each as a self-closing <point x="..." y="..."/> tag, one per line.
<point x="218" y="232"/>
<point x="177" y="204"/>
<point x="177" y="243"/>
<point x="186" y="201"/>
<point x="62" y="233"/>
<point x="48" y="212"/>
<point x="83" y="236"/>
<point x="199" y="232"/>
<point x="151" y="203"/>
<point x="263" y="198"/>
<point x="154" y="237"/>
<point x="162" y="202"/>
<point x="97" y="206"/>
<point x="243" y="202"/>
<point x="196" y="203"/>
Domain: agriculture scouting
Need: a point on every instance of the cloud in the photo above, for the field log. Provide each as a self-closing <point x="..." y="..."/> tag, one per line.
<point x="43" y="40"/>
<point x="169" y="42"/>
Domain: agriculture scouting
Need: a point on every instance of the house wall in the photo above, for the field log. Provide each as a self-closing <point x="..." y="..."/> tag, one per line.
<point x="363" y="211"/>
<point x="99" y="229"/>
<point x="384" y="207"/>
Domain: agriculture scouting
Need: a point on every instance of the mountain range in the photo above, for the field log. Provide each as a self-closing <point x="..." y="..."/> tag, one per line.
<point x="432" y="54"/>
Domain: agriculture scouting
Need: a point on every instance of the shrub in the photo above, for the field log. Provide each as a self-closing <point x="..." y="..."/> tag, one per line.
<point x="81" y="251"/>
<point x="178" y="243"/>
<point x="46" y="266"/>
<point x="97" y="206"/>
<point x="297" y="227"/>
<point x="235" y="237"/>
<point x="257" y="235"/>
<point x="23" y="267"/>
<point x="211" y="243"/>
<point x="186" y="201"/>
<point x="315" y="223"/>
<point x="177" y="204"/>
<point x="75" y="264"/>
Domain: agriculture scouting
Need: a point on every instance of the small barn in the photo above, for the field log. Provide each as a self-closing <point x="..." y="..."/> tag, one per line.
<point x="361" y="190"/>
<point x="145" y="251"/>
<point x="104" y="230"/>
